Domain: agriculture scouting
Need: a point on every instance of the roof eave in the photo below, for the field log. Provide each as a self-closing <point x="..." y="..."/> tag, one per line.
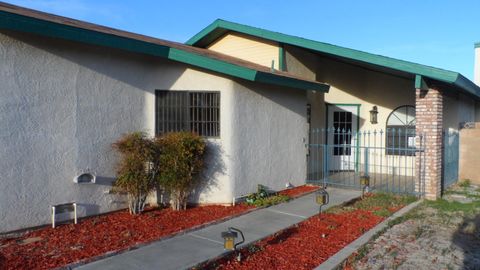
<point x="467" y="85"/>
<point x="219" y="26"/>
<point x="16" y="22"/>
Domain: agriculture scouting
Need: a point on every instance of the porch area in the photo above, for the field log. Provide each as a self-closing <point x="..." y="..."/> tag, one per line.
<point x="393" y="160"/>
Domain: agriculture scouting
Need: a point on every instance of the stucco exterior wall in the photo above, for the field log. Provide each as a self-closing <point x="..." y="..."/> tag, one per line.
<point x="354" y="85"/>
<point x="351" y="84"/>
<point x="269" y="143"/>
<point x="62" y="105"/>
<point x="301" y="62"/>
<point x="456" y="110"/>
<point x="251" y="49"/>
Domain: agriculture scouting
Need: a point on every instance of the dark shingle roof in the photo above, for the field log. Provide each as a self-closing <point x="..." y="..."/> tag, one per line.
<point x="27" y="20"/>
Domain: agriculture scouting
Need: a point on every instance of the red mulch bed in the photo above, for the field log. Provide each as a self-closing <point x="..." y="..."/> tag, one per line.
<point x="95" y="236"/>
<point x="297" y="191"/>
<point x="305" y="246"/>
<point x="98" y="235"/>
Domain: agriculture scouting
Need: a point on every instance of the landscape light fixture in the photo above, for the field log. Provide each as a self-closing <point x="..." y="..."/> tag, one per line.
<point x="322" y="198"/>
<point x="365" y="183"/>
<point x="373" y="115"/>
<point x="229" y="237"/>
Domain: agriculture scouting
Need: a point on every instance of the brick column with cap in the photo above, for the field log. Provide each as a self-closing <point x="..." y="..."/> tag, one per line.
<point x="429" y="123"/>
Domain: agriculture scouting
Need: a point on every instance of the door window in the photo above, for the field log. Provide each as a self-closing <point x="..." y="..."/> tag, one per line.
<point x="342" y="137"/>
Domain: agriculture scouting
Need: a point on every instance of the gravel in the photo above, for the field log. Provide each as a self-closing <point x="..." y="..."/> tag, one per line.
<point x="430" y="239"/>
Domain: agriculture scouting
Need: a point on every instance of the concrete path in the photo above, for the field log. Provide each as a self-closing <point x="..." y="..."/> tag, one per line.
<point x="186" y="251"/>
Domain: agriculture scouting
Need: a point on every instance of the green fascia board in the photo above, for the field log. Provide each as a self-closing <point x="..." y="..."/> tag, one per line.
<point x="36" y="26"/>
<point x="212" y="64"/>
<point x="22" y="23"/>
<point x="281" y="57"/>
<point x="477" y="45"/>
<point x="468" y="85"/>
<point x="210" y="33"/>
<point x="420" y="83"/>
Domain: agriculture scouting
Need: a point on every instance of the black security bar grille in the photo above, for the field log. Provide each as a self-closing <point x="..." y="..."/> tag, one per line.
<point x="197" y="112"/>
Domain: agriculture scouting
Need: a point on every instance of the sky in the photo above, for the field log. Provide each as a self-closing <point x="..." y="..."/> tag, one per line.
<point x="439" y="33"/>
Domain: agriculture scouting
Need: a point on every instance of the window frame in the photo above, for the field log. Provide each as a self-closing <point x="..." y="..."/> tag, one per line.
<point x="398" y="150"/>
<point x="188" y="108"/>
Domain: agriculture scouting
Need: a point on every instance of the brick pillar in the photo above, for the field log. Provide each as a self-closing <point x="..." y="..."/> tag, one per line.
<point x="429" y="123"/>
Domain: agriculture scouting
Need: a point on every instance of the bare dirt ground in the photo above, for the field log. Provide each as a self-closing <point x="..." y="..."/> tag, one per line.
<point x="444" y="234"/>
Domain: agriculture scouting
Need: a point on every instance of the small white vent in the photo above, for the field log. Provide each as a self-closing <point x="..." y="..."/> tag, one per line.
<point x="85" y="178"/>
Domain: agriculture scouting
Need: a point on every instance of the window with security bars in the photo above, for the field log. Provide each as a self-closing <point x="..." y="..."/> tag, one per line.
<point x="198" y="112"/>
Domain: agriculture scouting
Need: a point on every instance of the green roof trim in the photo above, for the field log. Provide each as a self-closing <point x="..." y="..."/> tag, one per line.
<point x="220" y="27"/>
<point x="21" y="23"/>
<point x="41" y="27"/>
<point x="281" y="58"/>
<point x="420" y="83"/>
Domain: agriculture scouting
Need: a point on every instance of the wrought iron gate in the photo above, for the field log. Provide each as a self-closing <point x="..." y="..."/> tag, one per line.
<point x="393" y="159"/>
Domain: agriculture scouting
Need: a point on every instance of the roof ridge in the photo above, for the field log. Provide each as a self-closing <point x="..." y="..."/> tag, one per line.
<point x="220" y="26"/>
<point x="219" y="20"/>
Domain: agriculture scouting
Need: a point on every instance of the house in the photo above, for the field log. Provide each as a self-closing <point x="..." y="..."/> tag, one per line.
<point x="69" y="89"/>
<point x="410" y="113"/>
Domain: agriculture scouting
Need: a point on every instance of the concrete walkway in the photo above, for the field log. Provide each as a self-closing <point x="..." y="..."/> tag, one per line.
<point x="188" y="250"/>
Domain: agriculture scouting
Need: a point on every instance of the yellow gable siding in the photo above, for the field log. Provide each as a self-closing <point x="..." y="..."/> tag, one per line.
<point x="247" y="48"/>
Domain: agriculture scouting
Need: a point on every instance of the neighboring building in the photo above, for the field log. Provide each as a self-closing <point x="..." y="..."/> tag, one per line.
<point x="69" y="89"/>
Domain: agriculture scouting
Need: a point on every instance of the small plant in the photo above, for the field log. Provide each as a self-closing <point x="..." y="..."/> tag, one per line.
<point x="261" y="193"/>
<point x="264" y="198"/>
<point x="270" y="200"/>
<point x="181" y="162"/>
<point x="137" y="169"/>
<point x="465" y="183"/>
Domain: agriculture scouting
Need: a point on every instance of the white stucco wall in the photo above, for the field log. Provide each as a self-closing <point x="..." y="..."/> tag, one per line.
<point x="63" y="104"/>
<point x="269" y="143"/>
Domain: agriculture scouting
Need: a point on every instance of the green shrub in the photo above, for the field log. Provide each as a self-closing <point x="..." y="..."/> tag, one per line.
<point x="137" y="169"/>
<point x="263" y="198"/>
<point x="270" y="200"/>
<point x="260" y="194"/>
<point x="180" y="161"/>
